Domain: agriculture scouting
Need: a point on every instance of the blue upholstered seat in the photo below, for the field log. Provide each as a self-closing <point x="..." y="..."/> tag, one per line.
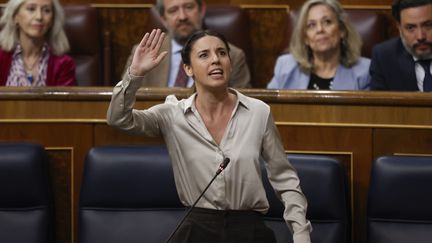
<point x="25" y="204"/>
<point x="400" y="200"/>
<point x="324" y="183"/>
<point x="128" y="195"/>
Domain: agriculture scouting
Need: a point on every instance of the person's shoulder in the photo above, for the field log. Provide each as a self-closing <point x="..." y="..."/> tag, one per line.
<point x="287" y="58"/>
<point x="388" y="45"/>
<point x="363" y="62"/>
<point x="286" y="62"/>
<point x="236" y="51"/>
<point x="252" y="103"/>
<point x="4" y="53"/>
<point x="61" y="61"/>
<point x="61" y="57"/>
<point x="234" y="47"/>
<point x="171" y="101"/>
<point x="361" y="68"/>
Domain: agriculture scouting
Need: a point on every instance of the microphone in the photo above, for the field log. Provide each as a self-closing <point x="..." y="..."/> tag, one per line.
<point x="222" y="166"/>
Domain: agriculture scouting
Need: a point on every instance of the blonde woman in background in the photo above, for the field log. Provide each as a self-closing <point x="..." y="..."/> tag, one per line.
<point x="33" y="45"/>
<point x="324" y="52"/>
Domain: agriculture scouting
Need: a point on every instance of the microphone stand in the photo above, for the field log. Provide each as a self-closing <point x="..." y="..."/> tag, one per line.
<point x="222" y="166"/>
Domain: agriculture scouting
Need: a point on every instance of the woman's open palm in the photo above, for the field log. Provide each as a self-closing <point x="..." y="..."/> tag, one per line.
<point x="147" y="55"/>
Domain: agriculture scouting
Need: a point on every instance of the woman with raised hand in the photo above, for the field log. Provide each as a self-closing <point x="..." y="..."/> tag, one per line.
<point x="213" y="124"/>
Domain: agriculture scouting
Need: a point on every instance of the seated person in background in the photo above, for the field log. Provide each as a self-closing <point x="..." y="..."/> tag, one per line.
<point x="182" y="18"/>
<point x="325" y="52"/>
<point x="33" y="43"/>
<point x="404" y="63"/>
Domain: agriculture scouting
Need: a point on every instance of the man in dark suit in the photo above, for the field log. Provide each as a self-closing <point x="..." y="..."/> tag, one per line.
<point x="404" y="63"/>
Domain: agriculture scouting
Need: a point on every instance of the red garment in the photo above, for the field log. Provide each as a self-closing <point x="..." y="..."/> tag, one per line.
<point x="61" y="69"/>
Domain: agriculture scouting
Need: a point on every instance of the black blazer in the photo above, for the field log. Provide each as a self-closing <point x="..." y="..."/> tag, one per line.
<point x="392" y="67"/>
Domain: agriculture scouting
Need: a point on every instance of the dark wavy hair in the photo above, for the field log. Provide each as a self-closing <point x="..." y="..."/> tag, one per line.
<point x="399" y="5"/>
<point x="186" y="51"/>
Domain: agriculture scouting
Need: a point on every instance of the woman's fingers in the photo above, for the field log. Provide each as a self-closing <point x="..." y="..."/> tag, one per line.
<point x="160" y="40"/>
<point x="144" y="40"/>
<point x="161" y="56"/>
<point x="153" y="40"/>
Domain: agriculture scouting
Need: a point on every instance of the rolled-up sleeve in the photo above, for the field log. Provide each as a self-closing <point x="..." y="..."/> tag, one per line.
<point x="121" y="114"/>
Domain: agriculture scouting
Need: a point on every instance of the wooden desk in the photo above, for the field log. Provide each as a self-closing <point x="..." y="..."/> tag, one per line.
<point x="356" y="127"/>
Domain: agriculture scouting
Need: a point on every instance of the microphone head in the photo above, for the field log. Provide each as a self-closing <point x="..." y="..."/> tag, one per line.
<point x="224" y="163"/>
<point x="222" y="166"/>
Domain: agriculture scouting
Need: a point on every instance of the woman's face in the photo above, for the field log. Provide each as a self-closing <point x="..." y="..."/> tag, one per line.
<point x="323" y="32"/>
<point x="34" y="18"/>
<point x="210" y="62"/>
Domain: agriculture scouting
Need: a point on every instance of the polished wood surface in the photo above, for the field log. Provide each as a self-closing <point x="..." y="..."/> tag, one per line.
<point x="355" y="127"/>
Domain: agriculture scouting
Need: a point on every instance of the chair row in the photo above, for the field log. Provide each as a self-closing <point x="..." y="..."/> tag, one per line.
<point x="128" y="194"/>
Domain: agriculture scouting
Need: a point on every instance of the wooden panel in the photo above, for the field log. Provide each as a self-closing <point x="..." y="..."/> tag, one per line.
<point x="127" y="26"/>
<point x="334" y="140"/>
<point x="267" y="29"/>
<point x="402" y="141"/>
<point x="61" y="173"/>
<point x="352" y="114"/>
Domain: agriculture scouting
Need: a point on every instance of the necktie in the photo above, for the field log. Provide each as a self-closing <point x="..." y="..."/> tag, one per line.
<point x="427" y="81"/>
<point x="182" y="78"/>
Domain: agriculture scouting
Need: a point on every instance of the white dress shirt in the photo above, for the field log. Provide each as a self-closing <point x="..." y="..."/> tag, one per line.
<point x="420" y="73"/>
<point x="250" y="135"/>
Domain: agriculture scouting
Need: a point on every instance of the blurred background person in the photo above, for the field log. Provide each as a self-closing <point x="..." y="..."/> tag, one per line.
<point x="404" y="63"/>
<point x="182" y="18"/>
<point x="324" y="52"/>
<point x="33" y="45"/>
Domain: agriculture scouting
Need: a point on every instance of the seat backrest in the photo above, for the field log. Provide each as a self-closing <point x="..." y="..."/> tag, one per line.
<point x="83" y="32"/>
<point x="399" y="203"/>
<point x="229" y="20"/>
<point x="25" y="204"/>
<point x="128" y="194"/>
<point x="324" y="183"/>
<point x="373" y="26"/>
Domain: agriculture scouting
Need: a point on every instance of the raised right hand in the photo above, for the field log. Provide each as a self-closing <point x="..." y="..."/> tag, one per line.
<point x="147" y="55"/>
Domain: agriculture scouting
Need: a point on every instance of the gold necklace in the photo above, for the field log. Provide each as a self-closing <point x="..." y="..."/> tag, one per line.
<point x="32" y="65"/>
<point x="30" y="68"/>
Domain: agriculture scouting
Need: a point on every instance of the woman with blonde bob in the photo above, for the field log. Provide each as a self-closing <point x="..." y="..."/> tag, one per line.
<point x="324" y="52"/>
<point x="33" y="45"/>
